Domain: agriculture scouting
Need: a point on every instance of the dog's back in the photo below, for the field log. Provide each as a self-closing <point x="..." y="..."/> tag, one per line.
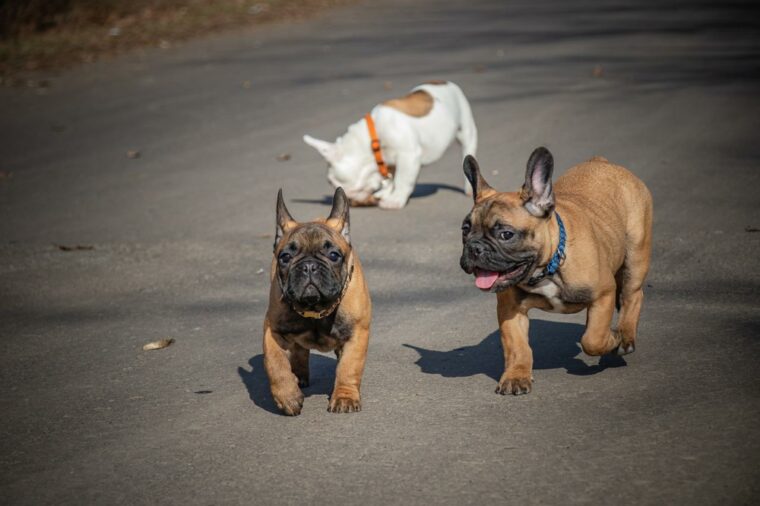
<point x="616" y="208"/>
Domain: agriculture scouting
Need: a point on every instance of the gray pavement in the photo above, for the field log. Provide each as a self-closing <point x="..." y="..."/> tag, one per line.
<point x="181" y="233"/>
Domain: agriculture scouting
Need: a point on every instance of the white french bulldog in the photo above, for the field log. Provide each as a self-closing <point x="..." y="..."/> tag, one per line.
<point x="414" y="130"/>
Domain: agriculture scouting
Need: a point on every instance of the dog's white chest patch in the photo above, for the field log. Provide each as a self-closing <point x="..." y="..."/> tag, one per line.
<point x="549" y="290"/>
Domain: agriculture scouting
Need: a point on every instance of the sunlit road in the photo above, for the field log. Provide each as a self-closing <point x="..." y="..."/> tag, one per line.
<point x="181" y="238"/>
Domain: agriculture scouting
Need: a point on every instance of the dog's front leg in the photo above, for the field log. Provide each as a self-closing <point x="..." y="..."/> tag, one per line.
<point x="282" y="382"/>
<point x="346" y="395"/>
<point x="407" y="169"/>
<point x="518" y="357"/>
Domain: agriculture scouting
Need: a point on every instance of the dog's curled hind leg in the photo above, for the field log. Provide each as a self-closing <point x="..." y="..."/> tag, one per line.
<point x="599" y="338"/>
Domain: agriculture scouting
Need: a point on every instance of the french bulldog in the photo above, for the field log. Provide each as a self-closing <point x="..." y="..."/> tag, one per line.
<point x="318" y="300"/>
<point x="583" y="242"/>
<point x="401" y="134"/>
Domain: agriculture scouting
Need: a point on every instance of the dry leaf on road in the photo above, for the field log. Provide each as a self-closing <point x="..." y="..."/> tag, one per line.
<point x="158" y="345"/>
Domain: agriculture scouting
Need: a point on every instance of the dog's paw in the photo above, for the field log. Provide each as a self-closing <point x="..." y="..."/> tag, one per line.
<point x="625" y="348"/>
<point x="289" y="404"/>
<point x="392" y="202"/>
<point x="515" y="385"/>
<point x="344" y="405"/>
<point x="626" y="343"/>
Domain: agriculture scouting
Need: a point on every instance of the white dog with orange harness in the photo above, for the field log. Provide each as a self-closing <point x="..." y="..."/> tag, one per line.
<point x="378" y="159"/>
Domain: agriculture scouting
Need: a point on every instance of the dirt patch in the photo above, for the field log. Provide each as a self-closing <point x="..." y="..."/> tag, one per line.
<point x="53" y="34"/>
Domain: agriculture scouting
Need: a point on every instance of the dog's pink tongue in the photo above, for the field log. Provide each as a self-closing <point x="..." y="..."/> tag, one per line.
<point x="485" y="279"/>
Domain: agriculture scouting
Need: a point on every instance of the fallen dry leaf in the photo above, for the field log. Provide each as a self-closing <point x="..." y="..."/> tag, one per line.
<point x="158" y="345"/>
<point x="247" y="85"/>
<point x="387" y="85"/>
<point x="4" y="174"/>
<point x="133" y="153"/>
<point x="283" y="157"/>
<point x="598" y="71"/>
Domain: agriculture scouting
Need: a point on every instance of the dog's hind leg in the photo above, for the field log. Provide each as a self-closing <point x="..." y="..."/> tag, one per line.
<point x="467" y="135"/>
<point x="631" y="279"/>
<point x="598" y="339"/>
<point x="633" y="274"/>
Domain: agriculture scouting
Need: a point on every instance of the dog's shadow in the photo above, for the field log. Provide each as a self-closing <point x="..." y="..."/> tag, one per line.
<point x="420" y="190"/>
<point x="555" y="345"/>
<point x="321" y="378"/>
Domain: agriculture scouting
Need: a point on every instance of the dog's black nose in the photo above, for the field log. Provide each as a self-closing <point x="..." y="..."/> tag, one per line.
<point x="308" y="267"/>
<point x="475" y="249"/>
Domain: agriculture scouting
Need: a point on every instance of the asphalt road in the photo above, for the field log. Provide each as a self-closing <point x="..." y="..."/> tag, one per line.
<point x="182" y="233"/>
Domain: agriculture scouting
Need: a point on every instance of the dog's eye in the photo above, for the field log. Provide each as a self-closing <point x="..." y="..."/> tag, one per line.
<point x="285" y="258"/>
<point x="466" y="227"/>
<point x="506" y="235"/>
<point x="334" y="256"/>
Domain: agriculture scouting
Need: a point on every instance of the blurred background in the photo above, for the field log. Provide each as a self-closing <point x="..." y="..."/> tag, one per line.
<point x="44" y="34"/>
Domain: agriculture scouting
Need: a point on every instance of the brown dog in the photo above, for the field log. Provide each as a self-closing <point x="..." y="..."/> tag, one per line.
<point x="583" y="244"/>
<point x="318" y="300"/>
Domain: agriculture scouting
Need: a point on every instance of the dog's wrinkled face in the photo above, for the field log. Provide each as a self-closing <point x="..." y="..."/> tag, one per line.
<point x="312" y="267"/>
<point x="504" y="234"/>
<point x="312" y="258"/>
<point x="499" y="244"/>
<point x="358" y="176"/>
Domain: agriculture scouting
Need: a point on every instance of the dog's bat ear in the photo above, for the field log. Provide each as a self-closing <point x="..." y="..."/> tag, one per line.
<point x="537" y="192"/>
<point x="339" y="219"/>
<point x="285" y="221"/>
<point x="480" y="188"/>
<point x="329" y="150"/>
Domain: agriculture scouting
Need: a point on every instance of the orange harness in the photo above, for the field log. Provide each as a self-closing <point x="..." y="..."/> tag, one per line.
<point x="382" y="168"/>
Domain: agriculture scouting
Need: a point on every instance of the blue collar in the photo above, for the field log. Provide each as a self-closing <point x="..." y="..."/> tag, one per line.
<point x="559" y="255"/>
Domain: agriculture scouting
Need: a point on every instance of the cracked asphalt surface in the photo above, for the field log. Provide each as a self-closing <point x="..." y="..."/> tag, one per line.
<point x="182" y="235"/>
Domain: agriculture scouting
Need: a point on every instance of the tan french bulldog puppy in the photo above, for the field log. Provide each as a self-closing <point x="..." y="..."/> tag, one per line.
<point x="581" y="243"/>
<point x="318" y="300"/>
